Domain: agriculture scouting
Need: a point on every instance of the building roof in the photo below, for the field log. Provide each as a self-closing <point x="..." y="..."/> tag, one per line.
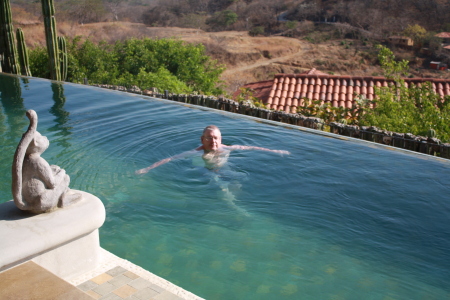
<point x="444" y="35"/>
<point x="288" y="90"/>
<point x="261" y="89"/>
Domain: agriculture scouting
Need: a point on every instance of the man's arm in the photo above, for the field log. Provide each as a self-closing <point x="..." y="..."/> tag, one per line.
<point x="240" y="147"/>
<point x="166" y="160"/>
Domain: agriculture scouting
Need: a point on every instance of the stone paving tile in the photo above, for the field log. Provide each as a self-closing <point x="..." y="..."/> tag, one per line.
<point x="140" y="283"/>
<point x="111" y="297"/>
<point x="145" y="294"/>
<point x="116" y="271"/>
<point x="166" y="296"/>
<point x="156" y="288"/>
<point x="125" y="291"/>
<point x="119" y="284"/>
<point x="130" y="275"/>
<point x="93" y="294"/>
<point x="104" y="288"/>
<point x="87" y="286"/>
<point x="120" y="280"/>
<point x="102" y="278"/>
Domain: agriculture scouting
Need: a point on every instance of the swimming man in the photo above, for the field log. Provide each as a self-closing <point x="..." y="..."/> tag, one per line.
<point x="215" y="154"/>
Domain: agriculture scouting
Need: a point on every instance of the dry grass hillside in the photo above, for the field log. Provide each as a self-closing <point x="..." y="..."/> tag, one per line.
<point x="247" y="59"/>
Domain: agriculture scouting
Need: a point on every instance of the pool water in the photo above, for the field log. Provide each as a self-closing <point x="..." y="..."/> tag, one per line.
<point x="336" y="219"/>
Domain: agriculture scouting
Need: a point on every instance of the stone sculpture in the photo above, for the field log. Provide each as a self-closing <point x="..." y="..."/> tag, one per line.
<point x="37" y="186"/>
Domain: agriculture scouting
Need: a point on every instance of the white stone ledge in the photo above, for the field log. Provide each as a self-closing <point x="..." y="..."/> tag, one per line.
<point x="55" y="240"/>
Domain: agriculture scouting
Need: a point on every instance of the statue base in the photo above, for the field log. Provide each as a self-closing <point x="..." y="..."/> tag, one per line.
<point x="64" y="241"/>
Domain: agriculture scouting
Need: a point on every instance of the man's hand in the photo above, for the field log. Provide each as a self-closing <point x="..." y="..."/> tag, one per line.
<point x="282" y="152"/>
<point x="141" y="171"/>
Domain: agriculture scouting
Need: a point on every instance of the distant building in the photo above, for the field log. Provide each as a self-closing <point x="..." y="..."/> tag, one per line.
<point x="402" y="41"/>
<point x="445" y="36"/>
<point x="437" y="65"/>
<point x="287" y="91"/>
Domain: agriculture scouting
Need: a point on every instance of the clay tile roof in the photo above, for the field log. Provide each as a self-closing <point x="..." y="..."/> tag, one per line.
<point x="445" y="35"/>
<point x="261" y="89"/>
<point x="283" y="91"/>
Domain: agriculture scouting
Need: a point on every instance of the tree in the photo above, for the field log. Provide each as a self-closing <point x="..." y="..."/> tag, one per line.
<point x="163" y="63"/>
<point x="414" y="109"/>
<point x="392" y="69"/>
<point x="86" y="11"/>
<point x="417" y="33"/>
<point x="222" y="20"/>
<point x="114" y="7"/>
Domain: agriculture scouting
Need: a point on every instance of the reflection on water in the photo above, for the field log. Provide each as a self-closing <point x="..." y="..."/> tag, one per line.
<point x="12" y="102"/>
<point x="62" y="116"/>
<point x="13" y="123"/>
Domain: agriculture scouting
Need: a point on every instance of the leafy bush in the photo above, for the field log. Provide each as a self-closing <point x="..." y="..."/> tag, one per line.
<point x="222" y="19"/>
<point x="164" y="63"/>
<point x="410" y="110"/>
<point x="38" y="59"/>
<point x="255" y="31"/>
<point x="416" y="109"/>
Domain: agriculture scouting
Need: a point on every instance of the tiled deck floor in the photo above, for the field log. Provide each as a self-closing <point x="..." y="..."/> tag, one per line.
<point x="29" y="281"/>
<point x="117" y="279"/>
<point x="119" y="283"/>
<point x="113" y="279"/>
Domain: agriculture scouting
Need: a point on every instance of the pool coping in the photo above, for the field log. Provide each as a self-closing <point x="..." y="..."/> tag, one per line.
<point x="109" y="261"/>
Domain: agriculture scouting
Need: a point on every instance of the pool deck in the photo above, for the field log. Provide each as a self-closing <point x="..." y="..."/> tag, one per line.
<point x="113" y="279"/>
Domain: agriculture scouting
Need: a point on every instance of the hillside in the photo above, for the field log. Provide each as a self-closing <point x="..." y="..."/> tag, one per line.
<point x="247" y="59"/>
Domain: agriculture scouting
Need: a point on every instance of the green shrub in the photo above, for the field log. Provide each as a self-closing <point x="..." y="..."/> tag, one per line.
<point x="255" y="31"/>
<point x="183" y="67"/>
<point x="416" y="110"/>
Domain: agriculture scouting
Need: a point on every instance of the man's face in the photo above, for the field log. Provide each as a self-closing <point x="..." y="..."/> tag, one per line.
<point x="211" y="140"/>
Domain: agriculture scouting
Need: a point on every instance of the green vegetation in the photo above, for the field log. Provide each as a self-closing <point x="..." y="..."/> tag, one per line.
<point x="166" y="64"/>
<point x="223" y="19"/>
<point x="48" y="11"/>
<point x="246" y="97"/>
<point x="255" y="31"/>
<point x="8" y="50"/>
<point x="398" y="108"/>
<point x="23" y="53"/>
<point x="416" y="110"/>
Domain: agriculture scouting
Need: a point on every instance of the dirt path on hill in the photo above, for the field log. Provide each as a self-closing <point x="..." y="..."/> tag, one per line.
<point x="281" y="59"/>
<point x="246" y="58"/>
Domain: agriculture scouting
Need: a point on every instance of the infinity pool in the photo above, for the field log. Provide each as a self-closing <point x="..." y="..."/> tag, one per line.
<point x="336" y="219"/>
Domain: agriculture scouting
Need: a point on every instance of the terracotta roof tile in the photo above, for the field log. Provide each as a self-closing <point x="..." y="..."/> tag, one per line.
<point x="261" y="89"/>
<point x="286" y="91"/>
<point x="445" y="35"/>
<point x="278" y="93"/>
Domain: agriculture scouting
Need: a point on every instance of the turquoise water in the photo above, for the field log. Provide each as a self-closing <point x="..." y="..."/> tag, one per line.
<point x="336" y="219"/>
